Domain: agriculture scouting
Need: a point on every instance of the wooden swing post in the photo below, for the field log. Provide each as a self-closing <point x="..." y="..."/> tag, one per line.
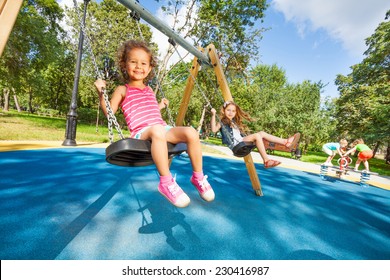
<point x="187" y="91"/>
<point x="9" y="10"/>
<point x="227" y="96"/>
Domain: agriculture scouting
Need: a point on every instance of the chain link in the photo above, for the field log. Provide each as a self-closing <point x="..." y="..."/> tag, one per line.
<point x="229" y="136"/>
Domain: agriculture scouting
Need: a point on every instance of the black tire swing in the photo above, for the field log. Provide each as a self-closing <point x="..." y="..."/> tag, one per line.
<point x="135" y="152"/>
<point x="243" y="149"/>
<point x="129" y="152"/>
<point x="132" y="152"/>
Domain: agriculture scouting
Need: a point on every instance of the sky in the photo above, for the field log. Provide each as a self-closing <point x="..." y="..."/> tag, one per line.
<point x="310" y="40"/>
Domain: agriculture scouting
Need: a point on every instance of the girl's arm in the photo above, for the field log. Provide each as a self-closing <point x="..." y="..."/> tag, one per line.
<point x="340" y="152"/>
<point x="214" y="126"/>
<point x="116" y="98"/>
<point x="350" y="151"/>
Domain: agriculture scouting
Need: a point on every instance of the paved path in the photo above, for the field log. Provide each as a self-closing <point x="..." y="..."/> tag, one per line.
<point x="375" y="180"/>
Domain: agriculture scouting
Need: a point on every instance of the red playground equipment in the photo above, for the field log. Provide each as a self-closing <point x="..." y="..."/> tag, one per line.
<point x="343" y="162"/>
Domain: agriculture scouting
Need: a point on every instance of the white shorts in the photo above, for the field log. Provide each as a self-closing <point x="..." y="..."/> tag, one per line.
<point x="328" y="151"/>
<point x="138" y="135"/>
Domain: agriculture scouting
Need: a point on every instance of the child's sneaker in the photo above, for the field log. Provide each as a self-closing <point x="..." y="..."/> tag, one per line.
<point x="204" y="188"/>
<point x="174" y="194"/>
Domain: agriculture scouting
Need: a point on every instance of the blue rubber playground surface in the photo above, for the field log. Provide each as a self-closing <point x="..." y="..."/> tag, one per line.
<point x="69" y="204"/>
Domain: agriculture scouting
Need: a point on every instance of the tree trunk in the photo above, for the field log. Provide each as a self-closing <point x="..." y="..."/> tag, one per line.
<point x="387" y="158"/>
<point x="376" y="148"/>
<point x="6" y="99"/>
<point x="16" y="101"/>
<point x="30" y="108"/>
<point x="201" y="119"/>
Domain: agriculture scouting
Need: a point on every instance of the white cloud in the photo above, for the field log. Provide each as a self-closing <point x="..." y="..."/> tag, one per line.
<point x="68" y="3"/>
<point x="347" y="21"/>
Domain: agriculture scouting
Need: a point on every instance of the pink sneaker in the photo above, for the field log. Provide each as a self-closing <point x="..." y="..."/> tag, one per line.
<point x="204" y="188"/>
<point x="174" y="194"/>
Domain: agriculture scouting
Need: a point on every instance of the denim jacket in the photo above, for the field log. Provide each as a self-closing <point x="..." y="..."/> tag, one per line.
<point x="227" y="135"/>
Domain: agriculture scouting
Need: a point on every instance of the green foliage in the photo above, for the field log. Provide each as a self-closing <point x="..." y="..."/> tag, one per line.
<point x="38" y="66"/>
<point x="108" y="25"/>
<point x="35" y="56"/>
<point x="230" y="26"/>
<point x="364" y="103"/>
<point x="281" y="108"/>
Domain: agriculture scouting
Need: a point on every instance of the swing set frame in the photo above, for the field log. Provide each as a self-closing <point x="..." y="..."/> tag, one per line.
<point x="207" y="56"/>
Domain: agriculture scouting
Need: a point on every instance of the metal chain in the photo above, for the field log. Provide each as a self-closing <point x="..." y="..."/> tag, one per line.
<point x="171" y="122"/>
<point x="87" y="40"/>
<point x="231" y="140"/>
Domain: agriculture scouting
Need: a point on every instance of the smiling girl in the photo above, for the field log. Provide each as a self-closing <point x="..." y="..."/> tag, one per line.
<point x="143" y="117"/>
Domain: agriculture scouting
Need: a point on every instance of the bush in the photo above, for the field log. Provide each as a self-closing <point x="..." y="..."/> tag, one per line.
<point x="89" y="116"/>
<point x="47" y="112"/>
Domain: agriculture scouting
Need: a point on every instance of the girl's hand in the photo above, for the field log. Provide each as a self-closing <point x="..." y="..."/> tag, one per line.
<point x="163" y="103"/>
<point x="213" y="111"/>
<point x="100" y="85"/>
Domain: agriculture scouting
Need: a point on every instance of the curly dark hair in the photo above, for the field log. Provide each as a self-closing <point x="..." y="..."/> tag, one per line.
<point x="123" y="55"/>
<point x="241" y="115"/>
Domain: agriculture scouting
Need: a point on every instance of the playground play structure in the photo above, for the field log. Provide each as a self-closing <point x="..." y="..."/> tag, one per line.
<point x="207" y="56"/>
<point x="344" y="168"/>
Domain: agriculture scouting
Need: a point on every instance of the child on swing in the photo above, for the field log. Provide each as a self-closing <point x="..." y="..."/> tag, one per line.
<point x="143" y="117"/>
<point x="232" y="117"/>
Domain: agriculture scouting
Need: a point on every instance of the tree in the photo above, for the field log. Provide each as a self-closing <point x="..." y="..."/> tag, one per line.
<point x="364" y="103"/>
<point x="33" y="44"/>
<point x="108" y="25"/>
<point x="231" y="27"/>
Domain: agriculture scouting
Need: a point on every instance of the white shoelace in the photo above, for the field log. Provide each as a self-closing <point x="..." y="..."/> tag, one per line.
<point x="204" y="183"/>
<point x="174" y="188"/>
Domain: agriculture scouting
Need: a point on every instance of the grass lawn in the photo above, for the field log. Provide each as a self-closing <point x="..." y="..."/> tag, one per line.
<point x="24" y="126"/>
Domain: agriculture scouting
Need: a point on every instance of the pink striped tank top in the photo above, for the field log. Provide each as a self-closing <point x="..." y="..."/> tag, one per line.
<point x="140" y="109"/>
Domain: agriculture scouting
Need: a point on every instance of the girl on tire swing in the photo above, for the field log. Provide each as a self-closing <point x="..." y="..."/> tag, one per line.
<point x="143" y="117"/>
<point x="232" y="117"/>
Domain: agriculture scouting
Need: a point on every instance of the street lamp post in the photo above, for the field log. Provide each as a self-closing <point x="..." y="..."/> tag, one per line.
<point x="71" y="118"/>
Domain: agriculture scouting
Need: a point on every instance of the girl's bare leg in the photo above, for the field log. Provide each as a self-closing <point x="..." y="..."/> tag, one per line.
<point x="330" y="158"/>
<point x="366" y="165"/>
<point x="159" y="148"/>
<point x="194" y="149"/>
<point x="357" y="164"/>
<point x="258" y="139"/>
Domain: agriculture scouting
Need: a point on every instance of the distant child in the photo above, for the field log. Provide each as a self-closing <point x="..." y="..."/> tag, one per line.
<point x="232" y="117"/>
<point x="365" y="153"/>
<point x="143" y="117"/>
<point x="331" y="149"/>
